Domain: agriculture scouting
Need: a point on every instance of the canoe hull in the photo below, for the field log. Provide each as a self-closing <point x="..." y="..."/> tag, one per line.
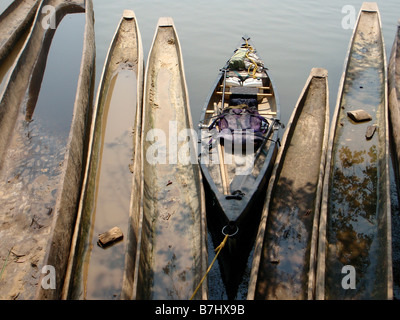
<point x="46" y="245"/>
<point x="236" y="175"/>
<point x="14" y="21"/>
<point x="285" y="251"/>
<point x="355" y="225"/>
<point x="124" y="59"/>
<point x="172" y="252"/>
<point x="228" y="170"/>
<point x="394" y="104"/>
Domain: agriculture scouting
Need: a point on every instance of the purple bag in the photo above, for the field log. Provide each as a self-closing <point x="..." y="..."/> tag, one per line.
<point x="240" y="125"/>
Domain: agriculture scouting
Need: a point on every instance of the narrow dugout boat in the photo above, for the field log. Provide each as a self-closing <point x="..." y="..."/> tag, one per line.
<point x="354" y="253"/>
<point x="41" y="178"/>
<point x="239" y="135"/>
<point x="284" y="258"/>
<point x="172" y="254"/>
<point x="109" y="191"/>
<point x="14" y="21"/>
<point x="394" y="103"/>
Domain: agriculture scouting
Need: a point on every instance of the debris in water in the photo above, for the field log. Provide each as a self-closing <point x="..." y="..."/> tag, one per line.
<point x="110" y="237"/>
<point x="370" y="131"/>
<point x="359" y="115"/>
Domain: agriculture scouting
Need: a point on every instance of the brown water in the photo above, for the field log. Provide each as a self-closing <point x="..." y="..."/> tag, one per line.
<point x="104" y="267"/>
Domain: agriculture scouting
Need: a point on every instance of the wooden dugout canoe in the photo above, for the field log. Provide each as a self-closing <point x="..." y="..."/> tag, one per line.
<point x="38" y="204"/>
<point x="109" y="192"/>
<point x="284" y="257"/>
<point x="394" y="103"/>
<point x="14" y="21"/>
<point x="354" y="254"/>
<point x="172" y="254"/>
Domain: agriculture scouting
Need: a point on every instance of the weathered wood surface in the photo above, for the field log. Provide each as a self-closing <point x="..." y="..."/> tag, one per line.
<point x="355" y="225"/>
<point x="38" y="207"/>
<point x="14" y="21"/>
<point x="125" y="54"/>
<point x="172" y="257"/>
<point x="394" y="103"/>
<point x="284" y="257"/>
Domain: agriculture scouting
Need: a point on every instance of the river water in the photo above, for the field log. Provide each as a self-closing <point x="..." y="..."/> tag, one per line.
<point x="291" y="36"/>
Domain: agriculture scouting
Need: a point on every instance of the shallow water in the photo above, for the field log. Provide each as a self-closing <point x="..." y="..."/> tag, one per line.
<point x="104" y="268"/>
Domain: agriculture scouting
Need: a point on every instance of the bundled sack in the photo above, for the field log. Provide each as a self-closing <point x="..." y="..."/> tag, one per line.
<point x="237" y="60"/>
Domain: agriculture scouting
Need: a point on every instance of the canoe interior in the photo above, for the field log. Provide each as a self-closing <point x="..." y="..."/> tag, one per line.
<point x="172" y="246"/>
<point x="95" y="272"/>
<point x="226" y="167"/>
<point x="285" y="263"/>
<point x="356" y="204"/>
<point x="41" y="171"/>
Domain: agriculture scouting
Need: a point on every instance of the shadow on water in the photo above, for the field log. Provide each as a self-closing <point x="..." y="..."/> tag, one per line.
<point x="230" y="275"/>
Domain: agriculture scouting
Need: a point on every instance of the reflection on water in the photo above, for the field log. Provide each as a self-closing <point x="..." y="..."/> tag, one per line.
<point x="104" y="267"/>
<point x="354" y="224"/>
<point x="357" y="203"/>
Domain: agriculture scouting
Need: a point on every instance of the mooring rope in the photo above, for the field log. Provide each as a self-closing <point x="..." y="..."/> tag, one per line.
<point x="217" y="250"/>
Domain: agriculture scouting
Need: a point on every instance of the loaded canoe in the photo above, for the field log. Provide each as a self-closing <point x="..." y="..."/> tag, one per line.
<point x="238" y="143"/>
<point x="109" y="187"/>
<point x="284" y="257"/>
<point x="41" y="171"/>
<point x="354" y="253"/>
<point x="236" y="166"/>
<point x="172" y="252"/>
<point x="394" y="103"/>
<point x="14" y="21"/>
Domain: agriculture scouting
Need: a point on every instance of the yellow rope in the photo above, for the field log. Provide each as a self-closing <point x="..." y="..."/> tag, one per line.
<point x="218" y="250"/>
<point x="250" y="49"/>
